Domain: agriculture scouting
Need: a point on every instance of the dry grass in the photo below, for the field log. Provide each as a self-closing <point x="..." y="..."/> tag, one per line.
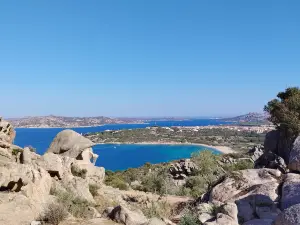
<point x="54" y="213"/>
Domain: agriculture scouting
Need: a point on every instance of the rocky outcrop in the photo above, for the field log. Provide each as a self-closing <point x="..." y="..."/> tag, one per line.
<point x="294" y="160"/>
<point x="7" y="132"/>
<point x="256" y="152"/>
<point x="280" y="143"/>
<point x="181" y="170"/>
<point x="24" y="189"/>
<point x="71" y="144"/>
<point x="26" y="177"/>
<point x="290" y="216"/>
<point x="255" y="192"/>
<point x="272" y="161"/>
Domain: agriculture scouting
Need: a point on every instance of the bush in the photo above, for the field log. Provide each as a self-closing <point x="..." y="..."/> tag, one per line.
<point x="73" y="204"/>
<point x="117" y="182"/>
<point x="93" y="188"/>
<point x="54" y="213"/>
<point x="78" y="172"/>
<point x="189" y="218"/>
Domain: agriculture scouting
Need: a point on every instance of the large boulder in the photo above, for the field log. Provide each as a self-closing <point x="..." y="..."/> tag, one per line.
<point x="247" y="182"/>
<point x="280" y="143"/>
<point x="294" y="161"/>
<point x="70" y="143"/>
<point x="123" y="215"/>
<point x="271" y="141"/>
<point x="250" y="189"/>
<point x="290" y="191"/>
<point x="227" y="215"/>
<point x="290" y="216"/>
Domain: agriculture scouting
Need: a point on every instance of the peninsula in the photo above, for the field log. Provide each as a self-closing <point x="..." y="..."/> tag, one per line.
<point x="223" y="138"/>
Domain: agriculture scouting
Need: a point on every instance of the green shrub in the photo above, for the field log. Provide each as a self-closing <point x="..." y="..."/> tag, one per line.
<point x="189" y="218"/>
<point x="117" y="182"/>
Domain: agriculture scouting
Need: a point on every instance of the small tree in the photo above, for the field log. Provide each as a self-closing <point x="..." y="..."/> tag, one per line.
<point x="285" y="111"/>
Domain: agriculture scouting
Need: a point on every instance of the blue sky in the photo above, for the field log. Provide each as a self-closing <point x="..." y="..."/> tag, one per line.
<point x="146" y="58"/>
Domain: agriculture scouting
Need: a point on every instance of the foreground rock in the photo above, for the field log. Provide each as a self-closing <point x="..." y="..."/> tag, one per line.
<point x="290" y="216"/>
<point x="123" y="215"/>
<point x="290" y="191"/>
<point x="227" y="215"/>
<point x="24" y="191"/>
<point x="255" y="192"/>
<point x="294" y="160"/>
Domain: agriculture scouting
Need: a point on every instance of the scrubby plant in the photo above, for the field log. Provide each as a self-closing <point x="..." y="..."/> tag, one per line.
<point x="93" y="188"/>
<point x="189" y="218"/>
<point x="54" y="213"/>
<point x="158" y="209"/>
<point x="78" y="172"/>
<point x="75" y="205"/>
<point x="15" y="151"/>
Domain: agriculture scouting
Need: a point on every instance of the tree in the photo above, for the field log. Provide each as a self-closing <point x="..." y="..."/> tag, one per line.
<point x="285" y="111"/>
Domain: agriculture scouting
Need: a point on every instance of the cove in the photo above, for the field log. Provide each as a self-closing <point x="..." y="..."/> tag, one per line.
<point x="123" y="156"/>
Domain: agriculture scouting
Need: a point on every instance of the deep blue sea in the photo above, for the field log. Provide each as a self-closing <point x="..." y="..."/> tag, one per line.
<point x="119" y="157"/>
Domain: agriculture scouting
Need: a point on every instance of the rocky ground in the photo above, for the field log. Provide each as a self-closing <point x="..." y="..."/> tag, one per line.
<point x="64" y="187"/>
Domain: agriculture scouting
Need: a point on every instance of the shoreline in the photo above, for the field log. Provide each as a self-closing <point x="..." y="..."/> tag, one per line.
<point x="101" y="125"/>
<point x="221" y="149"/>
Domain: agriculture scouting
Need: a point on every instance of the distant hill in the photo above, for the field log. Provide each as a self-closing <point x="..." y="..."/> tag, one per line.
<point x="250" y="118"/>
<point x="61" y="121"/>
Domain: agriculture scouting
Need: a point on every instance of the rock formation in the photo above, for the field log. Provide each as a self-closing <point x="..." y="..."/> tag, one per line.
<point x="180" y="170"/>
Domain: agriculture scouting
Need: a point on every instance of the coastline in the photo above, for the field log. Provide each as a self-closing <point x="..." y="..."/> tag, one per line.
<point x="221" y="149"/>
<point x="100" y="125"/>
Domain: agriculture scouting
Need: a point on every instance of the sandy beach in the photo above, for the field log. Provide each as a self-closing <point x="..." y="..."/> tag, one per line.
<point x="222" y="149"/>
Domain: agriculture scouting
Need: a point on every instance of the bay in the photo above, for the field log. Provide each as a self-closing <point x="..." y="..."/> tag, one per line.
<point x="119" y="157"/>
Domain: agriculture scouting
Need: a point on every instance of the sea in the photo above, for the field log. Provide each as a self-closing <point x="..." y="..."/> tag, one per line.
<point x="120" y="156"/>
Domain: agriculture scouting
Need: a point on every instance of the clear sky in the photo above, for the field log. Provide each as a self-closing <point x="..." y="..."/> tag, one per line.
<point x="146" y="58"/>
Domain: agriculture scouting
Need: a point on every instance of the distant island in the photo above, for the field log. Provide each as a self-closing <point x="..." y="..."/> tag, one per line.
<point x="68" y="122"/>
<point x="53" y="121"/>
<point x="252" y="118"/>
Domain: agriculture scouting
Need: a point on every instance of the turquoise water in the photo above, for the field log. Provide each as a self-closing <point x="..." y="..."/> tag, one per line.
<point x="118" y="157"/>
